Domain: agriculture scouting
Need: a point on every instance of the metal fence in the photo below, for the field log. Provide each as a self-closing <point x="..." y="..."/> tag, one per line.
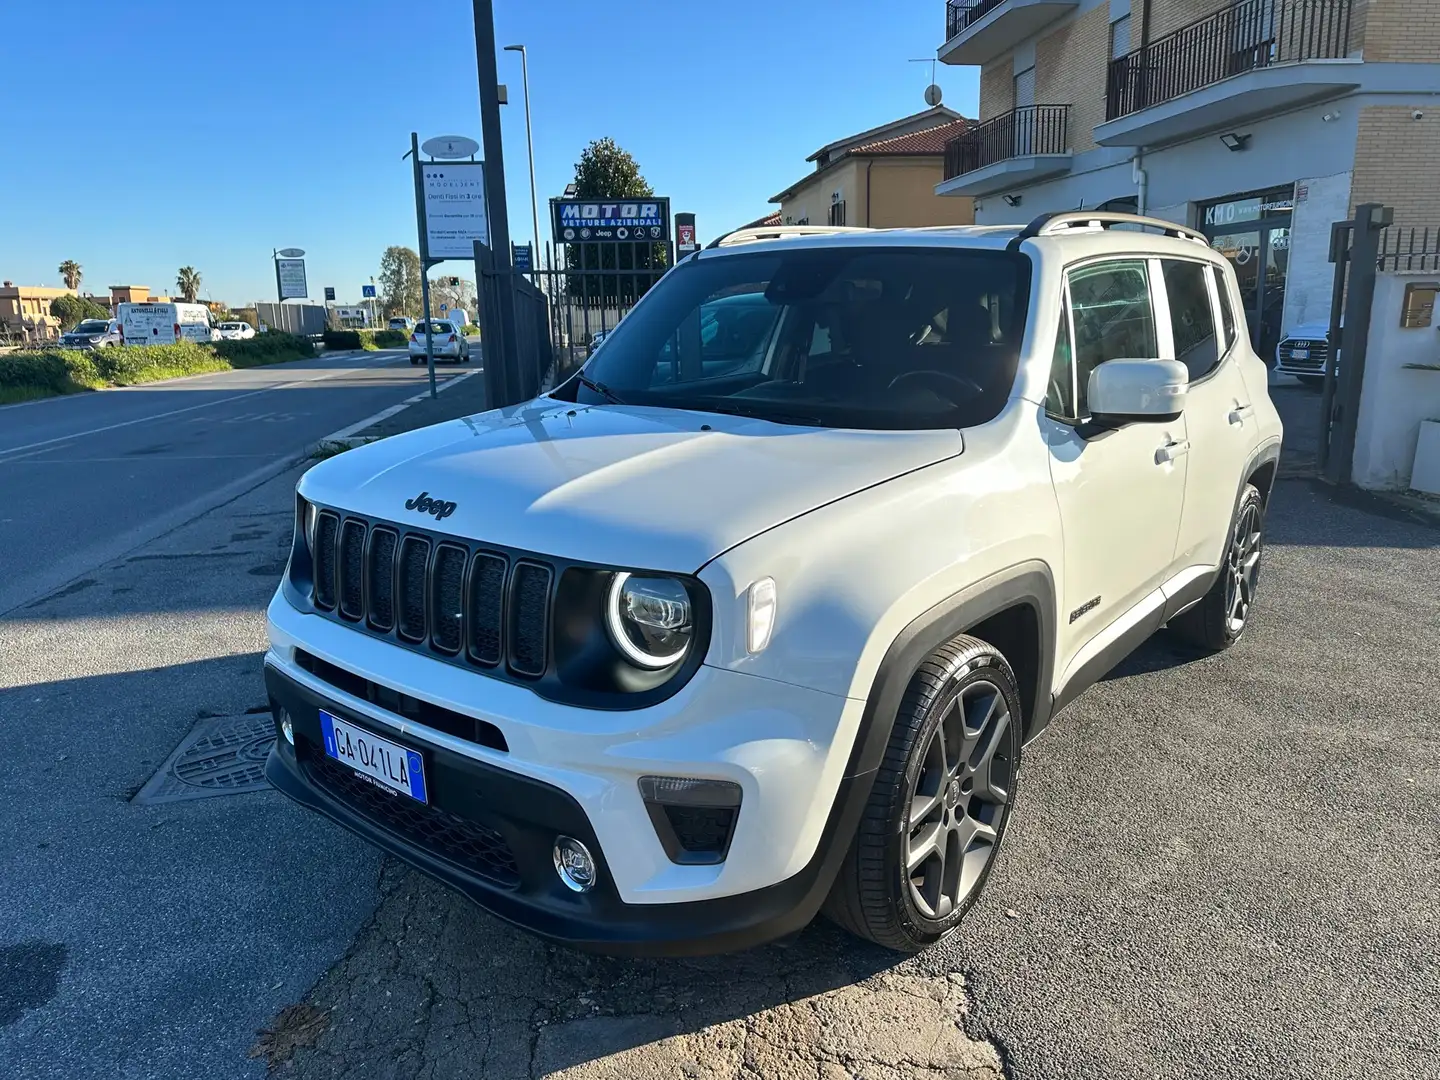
<point x="1030" y="129"/>
<point x="959" y="14"/>
<point x="516" y="342"/>
<point x="306" y="319"/>
<point x="1243" y="37"/>
<point x="1409" y="249"/>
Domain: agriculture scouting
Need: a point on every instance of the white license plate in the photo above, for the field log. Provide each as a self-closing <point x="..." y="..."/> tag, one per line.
<point x="1299" y="354"/>
<point x="393" y="767"/>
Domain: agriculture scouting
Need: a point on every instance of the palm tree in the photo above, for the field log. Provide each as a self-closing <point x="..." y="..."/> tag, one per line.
<point x="72" y="273"/>
<point x="188" y="282"/>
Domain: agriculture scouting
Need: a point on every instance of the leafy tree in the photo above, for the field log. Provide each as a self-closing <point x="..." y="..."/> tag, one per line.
<point x="452" y="296"/>
<point x="71" y="309"/>
<point x="605" y="171"/>
<point x="72" y="273"/>
<point x="187" y="281"/>
<point x="400" y="282"/>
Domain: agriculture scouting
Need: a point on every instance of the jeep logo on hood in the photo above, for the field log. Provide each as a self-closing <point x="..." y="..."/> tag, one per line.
<point x="426" y="505"/>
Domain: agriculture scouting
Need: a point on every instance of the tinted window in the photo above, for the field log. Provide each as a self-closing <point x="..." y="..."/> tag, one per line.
<point x="1192" y="319"/>
<point x="1110" y="303"/>
<point x="435" y="328"/>
<point x="838" y="336"/>
<point x="1227" y="313"/>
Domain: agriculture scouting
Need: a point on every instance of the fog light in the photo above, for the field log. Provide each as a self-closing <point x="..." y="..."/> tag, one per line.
<point x="574" y="864"/>
<point x="287" y="729"/>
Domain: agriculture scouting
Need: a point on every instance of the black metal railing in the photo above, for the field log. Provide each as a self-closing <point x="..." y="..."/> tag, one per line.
<point x="1409" y="249"/>
<point x="1030" y="129"/>
<point x="1243" y="37"/>
<point x="959" y="14"/>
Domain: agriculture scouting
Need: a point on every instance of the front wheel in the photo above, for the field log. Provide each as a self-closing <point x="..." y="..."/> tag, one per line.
<point x="940" y="804"/>
<point x="1219" y="620"/>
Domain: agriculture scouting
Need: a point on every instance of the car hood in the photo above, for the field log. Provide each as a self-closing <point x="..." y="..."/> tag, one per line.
<point x="660" y="489"/>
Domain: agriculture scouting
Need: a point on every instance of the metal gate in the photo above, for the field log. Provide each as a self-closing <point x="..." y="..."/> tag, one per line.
<point x="591" y="286"/>
<point x="515" y="340"/>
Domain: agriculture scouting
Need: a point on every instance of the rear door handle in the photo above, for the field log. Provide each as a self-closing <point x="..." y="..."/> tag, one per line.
<point x="1238" y="414"/>
<point x="1172" y="451"/>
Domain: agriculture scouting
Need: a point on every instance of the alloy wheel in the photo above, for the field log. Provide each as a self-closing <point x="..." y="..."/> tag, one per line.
<point x="1243" y="567"/>
<point x="957" y="801"/>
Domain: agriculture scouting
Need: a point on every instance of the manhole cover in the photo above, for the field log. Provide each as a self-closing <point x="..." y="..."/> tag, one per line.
<point x="223" y="755"/>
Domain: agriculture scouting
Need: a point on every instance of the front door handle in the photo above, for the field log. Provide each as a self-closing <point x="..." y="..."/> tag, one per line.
<point x="1172" y="451"/>
<point x="1238" y="414"/>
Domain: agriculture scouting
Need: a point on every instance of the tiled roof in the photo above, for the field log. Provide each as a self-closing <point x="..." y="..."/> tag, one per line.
<point x="930" y="141"/>
<point x="766" y="222"/>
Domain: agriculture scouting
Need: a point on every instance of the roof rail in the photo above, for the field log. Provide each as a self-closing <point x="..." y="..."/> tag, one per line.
<point x="1059" y="221"/>
<point x="778" y="232"/>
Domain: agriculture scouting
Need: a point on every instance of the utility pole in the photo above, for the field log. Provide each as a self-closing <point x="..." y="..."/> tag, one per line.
<point x="530" y="146"/>
<point x="424" y="257"/>
<point x="502" y="374"/>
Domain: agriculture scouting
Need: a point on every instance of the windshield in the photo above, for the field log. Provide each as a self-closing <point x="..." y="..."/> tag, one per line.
<point x="92" y="326"/>
<point x="840" y="337"/>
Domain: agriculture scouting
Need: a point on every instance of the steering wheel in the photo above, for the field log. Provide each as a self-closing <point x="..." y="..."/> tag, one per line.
<point x="969" y="386"/>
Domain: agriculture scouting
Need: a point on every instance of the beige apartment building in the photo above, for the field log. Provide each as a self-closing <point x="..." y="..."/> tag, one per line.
<point x="25" y="311"/>
<point x="882" y="178"/>
<point x="1258" y="122"/>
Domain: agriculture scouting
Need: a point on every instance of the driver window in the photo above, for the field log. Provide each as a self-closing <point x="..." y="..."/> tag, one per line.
<point x="1060" y="400"/>
<point x="1113" y="320"/>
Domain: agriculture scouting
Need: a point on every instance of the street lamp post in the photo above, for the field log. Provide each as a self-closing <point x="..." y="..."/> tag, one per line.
<point x="530" y="145"/>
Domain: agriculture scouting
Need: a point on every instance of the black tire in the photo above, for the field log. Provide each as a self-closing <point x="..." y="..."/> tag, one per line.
<point x="1219" y="620"/>
<point x="875" y="895"/>
<point x="1314" y="382"/>
<point x="414" y="362"/>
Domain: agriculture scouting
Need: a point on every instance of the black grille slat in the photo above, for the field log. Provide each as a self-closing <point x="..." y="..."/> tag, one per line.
<point x="447" y="598"/>
<point x="529" y="618"/>
<point x="327" y="529"/>
<point x="486" y="610"/>
<point x="352" y="569"/>
<point x="381" y="579"/>
<point x="414" y="560"/>
<point x="466" y="843"/>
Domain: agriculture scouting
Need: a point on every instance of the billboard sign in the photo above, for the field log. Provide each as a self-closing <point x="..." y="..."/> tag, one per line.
<point x="520" y="256"/>
<point x="290" y="278"/>
<point x="455" y="214"/>
<point x="581" y="221"/>
<point x="330" y="293"/>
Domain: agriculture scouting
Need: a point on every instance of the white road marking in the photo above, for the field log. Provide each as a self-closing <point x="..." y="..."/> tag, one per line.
<point x="176" y="412"/>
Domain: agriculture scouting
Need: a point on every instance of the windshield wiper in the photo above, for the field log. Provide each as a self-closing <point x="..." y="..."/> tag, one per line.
<point x="775" y="416"/>
<point x="599" y="388"/>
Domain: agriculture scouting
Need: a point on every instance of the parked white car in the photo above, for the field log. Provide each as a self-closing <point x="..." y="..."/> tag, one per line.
<point x="92" y="334"/>
<point x="730" y="629"/>
<point x="234" y="331"/>
<point x="448" y="342"/>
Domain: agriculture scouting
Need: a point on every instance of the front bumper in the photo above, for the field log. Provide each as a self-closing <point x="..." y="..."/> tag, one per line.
<point x="490" y="834"/>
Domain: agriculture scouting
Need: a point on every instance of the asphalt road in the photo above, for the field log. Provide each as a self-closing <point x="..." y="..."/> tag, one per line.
<point x="1220" y="866"/>
<point x="86" y="477"/>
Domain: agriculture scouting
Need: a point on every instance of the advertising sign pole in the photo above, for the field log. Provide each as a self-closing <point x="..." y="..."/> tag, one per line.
<point x="502" y="368"/>
<point x="424" y="257"/>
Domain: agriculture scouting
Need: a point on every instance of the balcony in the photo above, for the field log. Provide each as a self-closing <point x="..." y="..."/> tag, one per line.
<point x="1018" y="147"/>
<point x="980" y="30"/>
<point x="1254" y="58"/>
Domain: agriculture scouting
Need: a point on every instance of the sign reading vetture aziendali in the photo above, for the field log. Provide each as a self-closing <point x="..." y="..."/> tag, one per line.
<point x="579" y="221"/>
<point x="455" y="208"/>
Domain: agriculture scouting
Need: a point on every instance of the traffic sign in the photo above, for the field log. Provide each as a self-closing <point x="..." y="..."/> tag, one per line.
<point x="367" y="290"/>
<point x="330" y="292"/>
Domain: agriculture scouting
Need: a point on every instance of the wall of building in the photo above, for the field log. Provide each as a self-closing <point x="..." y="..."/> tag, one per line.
<point x="902" y="193"/>
<point x="813" y="198"/>
<point x="1400" y="30"/>
<point x="997" y="87"/>
<point x="1397" y="159"/>
<point x="1394" y="399"/>
<point x="1070" y="65"/>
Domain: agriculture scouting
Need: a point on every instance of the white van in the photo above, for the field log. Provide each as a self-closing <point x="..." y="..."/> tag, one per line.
<point x="164" y="324"/>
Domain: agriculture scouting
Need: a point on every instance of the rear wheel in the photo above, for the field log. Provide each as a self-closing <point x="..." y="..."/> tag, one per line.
<point x="1219" y="620"/>
<point x="940" y="804"/>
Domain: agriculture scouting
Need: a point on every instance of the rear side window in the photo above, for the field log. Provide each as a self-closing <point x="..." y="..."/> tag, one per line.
<point x="1192" y="319"/>
<point x="1110" y="307"/>
<point x="1227" y="313"/>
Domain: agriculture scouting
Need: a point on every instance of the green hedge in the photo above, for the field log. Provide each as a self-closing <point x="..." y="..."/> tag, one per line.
<point x="36" y="374"/>
<point x="367" y="340"/>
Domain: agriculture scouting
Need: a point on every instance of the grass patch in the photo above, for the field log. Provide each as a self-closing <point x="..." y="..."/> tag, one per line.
<point x="27" y="375"/>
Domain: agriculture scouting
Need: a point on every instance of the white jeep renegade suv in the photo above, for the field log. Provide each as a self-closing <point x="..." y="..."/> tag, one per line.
<point x="753" y="616"/>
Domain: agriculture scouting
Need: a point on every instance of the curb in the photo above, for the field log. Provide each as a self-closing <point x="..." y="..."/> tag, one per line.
<point x="347" y="438"/>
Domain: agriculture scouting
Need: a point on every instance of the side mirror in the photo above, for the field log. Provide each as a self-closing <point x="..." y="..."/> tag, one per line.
<point x="1138" y="391"/>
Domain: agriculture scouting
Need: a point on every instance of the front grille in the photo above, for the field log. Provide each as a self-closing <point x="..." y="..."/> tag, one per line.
<point x="1319" y="352"/>
<point x="469" y="604"/>
<point x="468" y="844"/>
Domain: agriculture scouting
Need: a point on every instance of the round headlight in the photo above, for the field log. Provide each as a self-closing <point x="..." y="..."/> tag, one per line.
<point x="649" y="619"/>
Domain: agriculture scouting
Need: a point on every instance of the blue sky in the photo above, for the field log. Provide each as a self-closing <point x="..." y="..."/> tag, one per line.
<point x="141" y="140"/>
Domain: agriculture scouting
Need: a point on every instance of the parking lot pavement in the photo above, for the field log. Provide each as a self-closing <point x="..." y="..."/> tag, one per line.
<point x="1222" y="866"/>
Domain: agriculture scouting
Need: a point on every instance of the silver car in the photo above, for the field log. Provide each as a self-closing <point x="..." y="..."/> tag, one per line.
<point x="92" y="334"/>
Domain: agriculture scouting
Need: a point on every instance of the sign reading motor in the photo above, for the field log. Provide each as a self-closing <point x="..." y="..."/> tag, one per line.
<point x="578" y="221"/>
